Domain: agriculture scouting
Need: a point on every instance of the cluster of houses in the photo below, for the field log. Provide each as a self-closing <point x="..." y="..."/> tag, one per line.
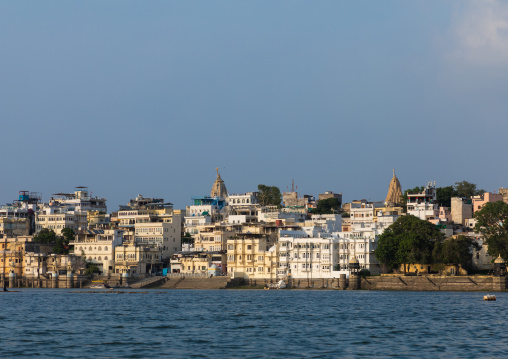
<point x="219" y="234"/>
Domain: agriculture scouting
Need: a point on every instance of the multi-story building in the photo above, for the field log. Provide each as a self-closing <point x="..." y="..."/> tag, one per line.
<point x="57" y="218"/>
<point x="424" y="204"/>
<point x="462" y="209"/>
<point x="154" y="224"/>
<point x="97" y="246"/>
<point x="303" y="257"/>
<point x="480" y="200"/>
<point x="198" y="262"/>
<point x="136" y="259"/>
<point x="252" y="256"/>
<point x="80" y="201"/>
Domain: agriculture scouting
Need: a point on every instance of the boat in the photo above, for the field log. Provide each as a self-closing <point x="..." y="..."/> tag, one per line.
<point x="99" y="284"/>
<point x="279" y="285"/>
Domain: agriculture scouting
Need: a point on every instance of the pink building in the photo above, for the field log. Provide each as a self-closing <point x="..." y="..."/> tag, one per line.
<point x="479" y="201"/>
<point x="445" y="215"/>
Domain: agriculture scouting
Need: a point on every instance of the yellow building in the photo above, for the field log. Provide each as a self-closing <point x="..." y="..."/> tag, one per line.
<point x="198" y="262"/>
<point x="136" y="259"/>
<point x="252" y="256"/>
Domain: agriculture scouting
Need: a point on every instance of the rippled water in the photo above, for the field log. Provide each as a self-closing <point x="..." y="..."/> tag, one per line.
<point x="243" y="323"/>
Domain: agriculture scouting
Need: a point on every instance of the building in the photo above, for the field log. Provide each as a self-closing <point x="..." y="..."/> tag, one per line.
<point x="97" y="246"/>
<point x="302" y="257"/>
<point x="479" y="201"/>
<point x="198" y="262"/>
<point x="330" y="194"/>
<point x="504" y="193"/>
<point x="219" y="187"/>
<point x="79" y="201"/>
<point x="424" y="204"/>
<point x="394" y="196"/>
<point x="462" y="209"/>
<point x="252" y="256"/>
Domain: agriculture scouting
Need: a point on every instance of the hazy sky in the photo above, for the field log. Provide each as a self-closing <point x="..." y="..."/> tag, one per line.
<point x="148" y="97"/>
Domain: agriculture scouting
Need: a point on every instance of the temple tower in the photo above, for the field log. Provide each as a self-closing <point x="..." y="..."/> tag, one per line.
<point x="218" y="188"/>
<point x="394" y="195"/>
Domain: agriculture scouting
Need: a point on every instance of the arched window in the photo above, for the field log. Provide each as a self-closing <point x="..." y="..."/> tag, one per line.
<point x="106" y="258"/>
<point x="100" y="248"/>
<point x="100" y="258"/>
<point x="106" y="248"/>
<point x="90" y="249"/>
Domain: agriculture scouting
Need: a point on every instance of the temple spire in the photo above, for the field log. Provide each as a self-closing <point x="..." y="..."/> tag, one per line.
<point x="394" y="195"/>
<point x="218" y="188"/>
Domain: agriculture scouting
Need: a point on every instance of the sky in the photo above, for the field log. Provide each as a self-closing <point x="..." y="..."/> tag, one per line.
<point x="130" y="97"/>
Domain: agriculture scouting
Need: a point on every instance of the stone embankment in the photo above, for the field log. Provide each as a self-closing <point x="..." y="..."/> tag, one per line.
<point x="184" y="282"/>
<point x="434" y="283"/>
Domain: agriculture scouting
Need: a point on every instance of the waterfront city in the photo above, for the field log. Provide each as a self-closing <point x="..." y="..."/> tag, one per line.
<point x="262" y="238"/>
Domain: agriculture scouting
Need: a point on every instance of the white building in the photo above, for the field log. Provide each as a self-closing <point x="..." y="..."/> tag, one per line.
<point x="424" y="205"/>
<point x="98" y="247"/>
<point x="307" y="257"/>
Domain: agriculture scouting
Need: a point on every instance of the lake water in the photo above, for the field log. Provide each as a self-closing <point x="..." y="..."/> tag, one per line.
<point x="251" y="323"/>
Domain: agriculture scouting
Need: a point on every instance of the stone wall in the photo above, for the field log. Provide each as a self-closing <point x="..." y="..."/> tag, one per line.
<point x="435" y="283"/>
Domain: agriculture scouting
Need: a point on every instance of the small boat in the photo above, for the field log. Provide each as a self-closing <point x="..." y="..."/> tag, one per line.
<point x="279" y="285"/>
<point x="99" y="285"/>
<point x="489" y="297"/>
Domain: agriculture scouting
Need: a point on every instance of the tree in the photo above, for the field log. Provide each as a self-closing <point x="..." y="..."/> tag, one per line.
<point x="269" y="195"/>
<point x="455" y="251"/>
<point x="445" y="194"/>
<point x="492" y="222"/>
<point x="327" y="206"/>
<point x="467" y="189"/>
<point x="408" y="240"/>
<point x="62" y="242"/>
<point x="45" y="236"/>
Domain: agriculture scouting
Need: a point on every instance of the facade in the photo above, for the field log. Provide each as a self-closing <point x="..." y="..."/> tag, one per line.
<point x="330" y="194"/>
<point x="504" y="193"/>
<point x="462" y="209"/>
<point x="479" y="201"/>
<point x="424" y="205"/>
<point x="252" y="256"/>
<point x="98" y="247"/>
<point x="198" y="262"/>
<point x="57" y="218"/>
<point x="307" y="257"/>
<point x="135" y="259"/>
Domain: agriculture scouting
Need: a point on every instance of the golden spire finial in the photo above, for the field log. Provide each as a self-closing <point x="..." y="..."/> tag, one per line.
<point x="217" y="169"/>
<point x="394" y="172"/>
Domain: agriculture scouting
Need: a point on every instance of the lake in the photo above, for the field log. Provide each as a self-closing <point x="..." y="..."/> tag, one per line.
<point x="251" y="323"/>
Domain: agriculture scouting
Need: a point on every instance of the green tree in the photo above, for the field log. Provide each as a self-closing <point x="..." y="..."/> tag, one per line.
<point x="327" y="206"/>
<point x="467" y="189"/>
<point x="269" y="195"/>
<point x="492" y="222"/>
<point x="445" y="194"/>
<point x="408" y="240"/>
<point x="455" y="251"/>
<point x="45" y="236"/>
<point x="62" y="242"/>
<point x="91" y="269"/>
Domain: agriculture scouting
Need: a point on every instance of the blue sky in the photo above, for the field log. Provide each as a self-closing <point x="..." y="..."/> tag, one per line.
<point x="149" y="97"/>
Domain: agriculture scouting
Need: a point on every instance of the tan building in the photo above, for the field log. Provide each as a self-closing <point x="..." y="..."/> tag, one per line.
<point x="504" y="193"/>
<point x="134" y="259"/>
<point x="214" y="237"/>
<point x="219" y="187"/>
<point x="59" y="217"/>
<point x="13" y="227"/>
<point x="252" y="256"/>
<point x="198" y="262"/>
<point x="394" y="196"/>
<point x="462" y="209"/>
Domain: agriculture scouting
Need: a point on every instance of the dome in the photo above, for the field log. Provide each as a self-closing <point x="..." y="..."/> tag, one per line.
<point x="354" y="260"/>
<point x="499" y="260"/>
